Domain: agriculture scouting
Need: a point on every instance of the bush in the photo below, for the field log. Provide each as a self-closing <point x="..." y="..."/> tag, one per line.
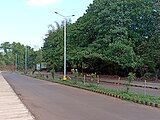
<point x="147" y="75"/>
<point x="131" y="78"/>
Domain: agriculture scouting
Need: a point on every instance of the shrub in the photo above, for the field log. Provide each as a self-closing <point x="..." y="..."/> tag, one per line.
<point x="131" y="78"/>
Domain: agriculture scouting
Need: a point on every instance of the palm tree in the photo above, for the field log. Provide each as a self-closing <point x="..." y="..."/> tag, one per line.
<point x="52" y="28"/>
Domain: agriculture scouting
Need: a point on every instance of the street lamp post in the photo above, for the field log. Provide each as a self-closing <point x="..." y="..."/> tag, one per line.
<point x="16" y="62"/>
<point x="65" y="37"/>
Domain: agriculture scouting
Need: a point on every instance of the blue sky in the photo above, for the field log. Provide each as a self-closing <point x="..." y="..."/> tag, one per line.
<point x="26" y="21"/>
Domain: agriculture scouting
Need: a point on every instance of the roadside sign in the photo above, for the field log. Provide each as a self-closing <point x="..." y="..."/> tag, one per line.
<point x="38" y="66"/>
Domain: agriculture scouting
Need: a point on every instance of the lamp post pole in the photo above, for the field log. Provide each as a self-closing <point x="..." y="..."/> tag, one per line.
<point x="64" y="76"/>
<point x="65" y="46"/>
<point x="16" y="62"/>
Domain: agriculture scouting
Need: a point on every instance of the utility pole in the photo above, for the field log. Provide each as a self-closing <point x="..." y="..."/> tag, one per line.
<point x="16" y="62"/>
<point x="65" y="37"/>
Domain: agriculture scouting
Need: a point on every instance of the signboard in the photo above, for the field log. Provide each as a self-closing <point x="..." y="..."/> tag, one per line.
<point x="38" y="66"/>
<point x="43" y="65"/>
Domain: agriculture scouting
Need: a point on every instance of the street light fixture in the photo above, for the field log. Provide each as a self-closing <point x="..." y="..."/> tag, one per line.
<point x="65" y="22"/>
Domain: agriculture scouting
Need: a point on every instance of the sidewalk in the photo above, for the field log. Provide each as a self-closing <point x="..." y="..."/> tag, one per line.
<point x="11" y="107"/>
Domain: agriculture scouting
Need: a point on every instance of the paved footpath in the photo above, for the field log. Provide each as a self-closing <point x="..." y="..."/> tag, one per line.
<point x="11" y="107"/>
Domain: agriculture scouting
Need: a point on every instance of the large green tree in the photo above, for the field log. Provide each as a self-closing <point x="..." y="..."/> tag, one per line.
<point x="110" y="33"/>
<point x="15" y="52"/>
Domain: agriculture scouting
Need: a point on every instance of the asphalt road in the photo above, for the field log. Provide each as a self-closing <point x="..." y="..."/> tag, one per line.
<point x="50" y="101"/>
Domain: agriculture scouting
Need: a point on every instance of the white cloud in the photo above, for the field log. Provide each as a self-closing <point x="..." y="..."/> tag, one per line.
<point x="40" y="3"/>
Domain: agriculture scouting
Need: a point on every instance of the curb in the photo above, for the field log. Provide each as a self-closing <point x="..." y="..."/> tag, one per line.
<point x="133" y="100"/>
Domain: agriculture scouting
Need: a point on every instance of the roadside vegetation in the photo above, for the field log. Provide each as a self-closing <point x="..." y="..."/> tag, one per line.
<point x="91" y="86"/>
<point x="123" y="94"/>
<point x="111" y="38"/>
<point x="14" y="53"/>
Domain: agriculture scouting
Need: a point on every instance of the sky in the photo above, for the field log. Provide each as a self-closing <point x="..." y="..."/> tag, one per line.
<point x="26" y="21"/>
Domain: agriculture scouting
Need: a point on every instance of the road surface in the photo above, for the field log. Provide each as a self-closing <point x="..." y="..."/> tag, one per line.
<point x="51" y="101"/>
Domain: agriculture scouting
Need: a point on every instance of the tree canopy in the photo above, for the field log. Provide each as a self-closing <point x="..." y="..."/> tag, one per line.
<point x="122" y="34"/>
<point x="15" y="52"/>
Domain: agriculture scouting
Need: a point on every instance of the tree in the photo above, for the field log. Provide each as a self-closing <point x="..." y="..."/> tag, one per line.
<point x="111" y="33"/>
<point x="150" y="53"/>
<point x="5" y="46"/>
<point x="123" y="55"/>
<point x="11" y="50"/>
<point x="52" y="50"/>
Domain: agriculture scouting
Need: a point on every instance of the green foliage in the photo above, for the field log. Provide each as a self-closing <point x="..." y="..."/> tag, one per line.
<point x="93" y="75"/>
<point x="125" y="34"/>
<point x="150" y="53"/>
<point x="38" y="76"/>
<point x="147" y="75"/>
<point x="91" y="85"/>
<point x="122" y="54"/>
<point x="53" y="72"/>
<point x="53" y="48"/>
<point x="131" y="78"/>
<point x="11" y="50"/>
<point x="74" y="72"/>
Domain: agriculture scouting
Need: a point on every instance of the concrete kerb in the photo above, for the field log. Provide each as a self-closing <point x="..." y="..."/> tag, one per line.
<point x="134" y="100"/>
